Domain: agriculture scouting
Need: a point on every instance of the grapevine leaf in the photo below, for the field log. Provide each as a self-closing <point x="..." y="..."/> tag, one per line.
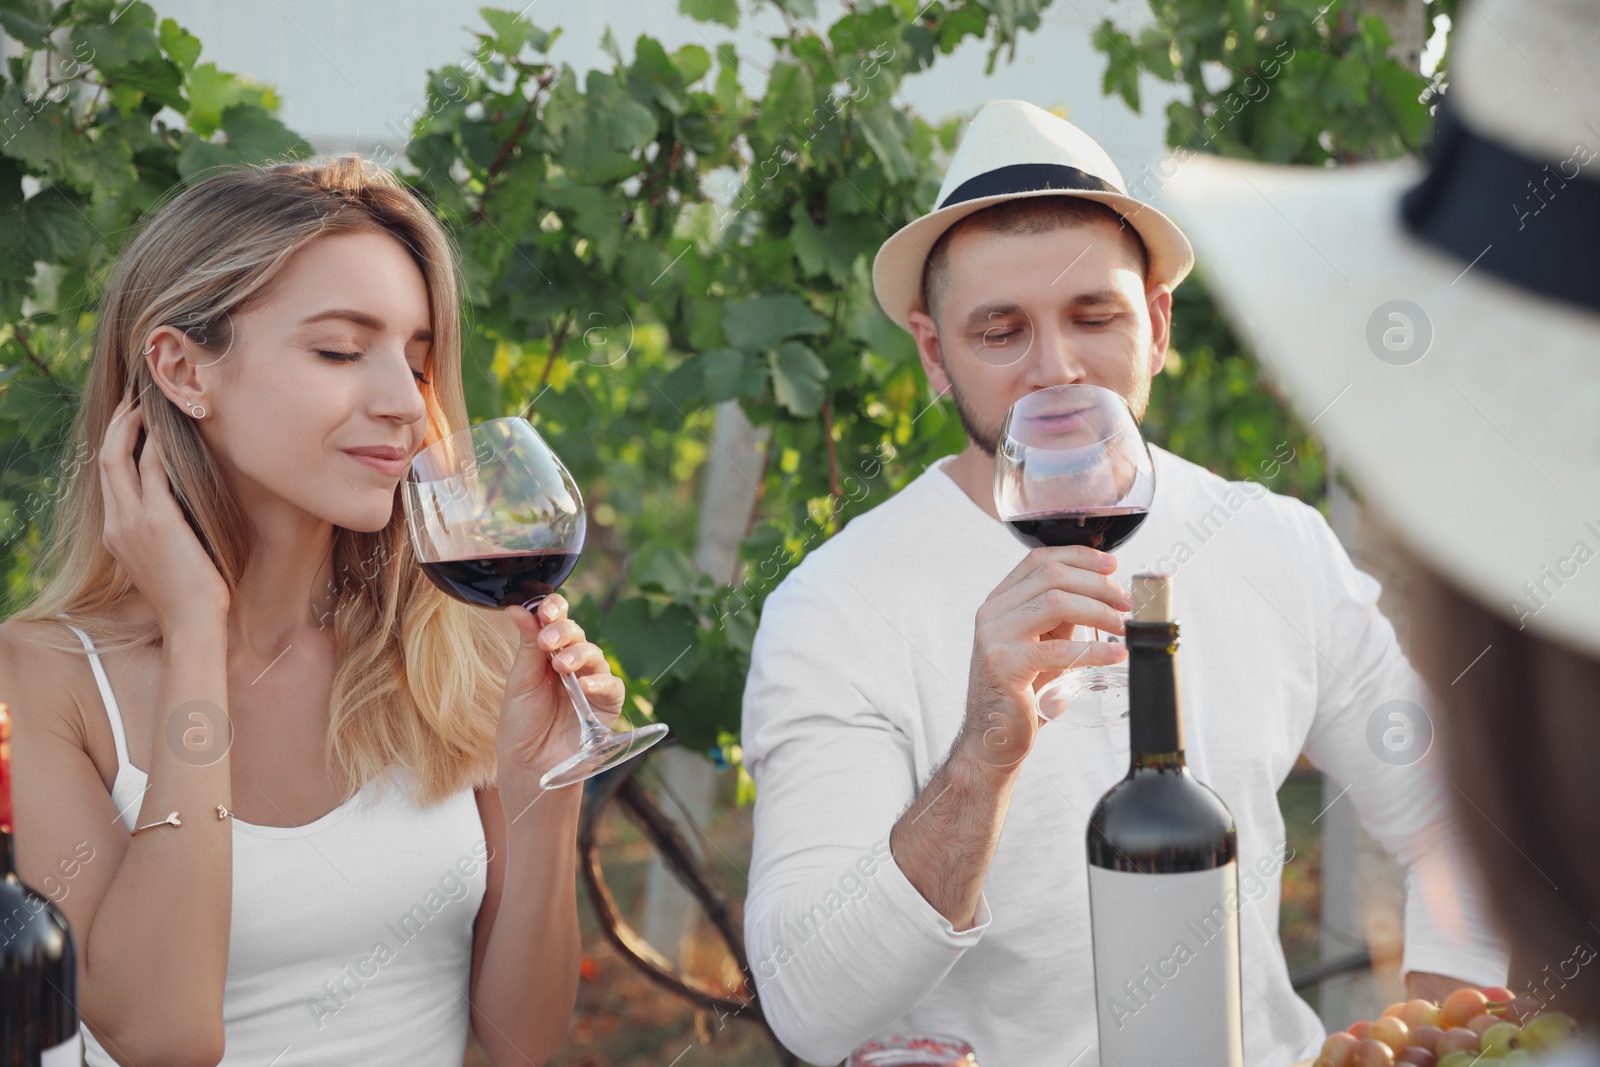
<point x="647" y="643"/>
<point x="511" y="31"/>
<point x="662" y="568"/>
<point x="885" y="130"/>
<point x="761" y="323"/>
<point x="722" y="370"/>
<point x="54" y="227"/>
<point x="181" y="46"/>
<point x="114" y="45"/>
<point x="723" y="11"/>
<point x="28" y="21"/>
<point x="797" y="377"/>
<point x="33" y="130"/>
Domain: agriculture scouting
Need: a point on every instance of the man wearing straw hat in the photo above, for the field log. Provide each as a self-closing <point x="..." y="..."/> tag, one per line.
<point x="1456" y="306"/>
<point x="918" y="864"/>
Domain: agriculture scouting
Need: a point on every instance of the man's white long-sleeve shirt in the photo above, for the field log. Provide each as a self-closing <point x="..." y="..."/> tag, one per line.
<point x="858" y="686"/>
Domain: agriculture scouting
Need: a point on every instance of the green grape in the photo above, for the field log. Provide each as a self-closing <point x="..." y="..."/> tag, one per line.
<point x="1552" y="1029"/>
<point x="1499" y="1039"/>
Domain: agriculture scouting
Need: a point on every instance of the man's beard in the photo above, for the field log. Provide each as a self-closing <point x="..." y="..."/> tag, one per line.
<point x="985" y="437"/>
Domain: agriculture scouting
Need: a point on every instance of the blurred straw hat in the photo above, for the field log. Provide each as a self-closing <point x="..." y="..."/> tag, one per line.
<point x="1439" y="324"/>
<point x="1015" y="149"/>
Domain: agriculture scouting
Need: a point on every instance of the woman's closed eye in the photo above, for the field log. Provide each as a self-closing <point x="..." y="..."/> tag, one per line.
<point x="351" y="357"/>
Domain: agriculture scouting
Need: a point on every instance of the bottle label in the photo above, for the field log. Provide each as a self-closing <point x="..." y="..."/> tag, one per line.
<point x="1166" y="967"/>
<point x="67" y="1054"/>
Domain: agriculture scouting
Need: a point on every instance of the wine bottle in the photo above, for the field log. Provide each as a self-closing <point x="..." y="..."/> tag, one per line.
<point x="38" y="961"/>
<point x="1163" y="877"/>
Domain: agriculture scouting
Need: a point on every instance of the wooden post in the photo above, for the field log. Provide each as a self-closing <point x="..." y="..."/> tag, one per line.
<point x="733" y="471"/>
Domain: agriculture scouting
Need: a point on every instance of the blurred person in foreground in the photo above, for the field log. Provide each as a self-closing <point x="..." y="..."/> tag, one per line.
<point x="1470" y="419"/>
<point x="919" y="861"/>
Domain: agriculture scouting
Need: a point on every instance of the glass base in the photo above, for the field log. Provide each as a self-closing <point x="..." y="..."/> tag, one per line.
<point x="1087" y="697"/>
<point x="602" y="754"/>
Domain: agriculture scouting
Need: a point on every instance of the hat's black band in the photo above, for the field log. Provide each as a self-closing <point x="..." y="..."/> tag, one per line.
<point x="1530" y="222"/>
<point x="1027" y="178"/>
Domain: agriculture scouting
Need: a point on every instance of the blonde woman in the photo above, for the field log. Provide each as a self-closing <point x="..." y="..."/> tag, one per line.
<point x="362" y="867"/>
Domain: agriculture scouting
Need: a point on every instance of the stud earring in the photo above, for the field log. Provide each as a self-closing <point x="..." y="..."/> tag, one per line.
<point x="197" y="410"/>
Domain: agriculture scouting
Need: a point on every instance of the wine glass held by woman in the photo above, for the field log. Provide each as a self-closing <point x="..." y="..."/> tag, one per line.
<point x="496" y="519"/>
<point x="291" y="803"/>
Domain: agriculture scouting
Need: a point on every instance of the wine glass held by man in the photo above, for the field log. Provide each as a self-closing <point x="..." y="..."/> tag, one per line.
<point x="890" y="721"/>
<point x="1071" y="468"/>
<point x="308" y="779"/>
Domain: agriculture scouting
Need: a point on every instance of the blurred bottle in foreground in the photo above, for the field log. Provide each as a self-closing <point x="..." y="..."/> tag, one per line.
<point x="915" y="1050"/>
<point x="38" y="960"/>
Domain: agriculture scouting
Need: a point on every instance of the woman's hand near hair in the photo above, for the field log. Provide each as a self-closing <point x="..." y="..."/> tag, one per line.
<point x="538" y="726"/>
<point x="146" y="532"/>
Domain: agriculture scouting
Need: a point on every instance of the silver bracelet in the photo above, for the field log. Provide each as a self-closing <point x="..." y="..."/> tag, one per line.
<point x="173" y="820"/>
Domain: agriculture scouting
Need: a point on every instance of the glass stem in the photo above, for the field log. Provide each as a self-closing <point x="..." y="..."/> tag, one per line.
<point x="593" y="728"/>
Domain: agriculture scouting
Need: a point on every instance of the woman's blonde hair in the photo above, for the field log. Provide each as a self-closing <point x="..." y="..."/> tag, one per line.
<point x="419" y="676"/>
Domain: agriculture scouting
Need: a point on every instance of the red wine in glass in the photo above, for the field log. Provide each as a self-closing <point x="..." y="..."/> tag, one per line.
<point x="1101" y="528"/>
<point x="502" y="580"/>
<point x="496" y="519"/>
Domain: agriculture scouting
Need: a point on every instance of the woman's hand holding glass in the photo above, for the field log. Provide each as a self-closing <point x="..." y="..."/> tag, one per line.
<point x="538" y="723"/>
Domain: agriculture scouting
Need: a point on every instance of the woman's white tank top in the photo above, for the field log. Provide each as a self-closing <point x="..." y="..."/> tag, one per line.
<point x="351" y="936"/>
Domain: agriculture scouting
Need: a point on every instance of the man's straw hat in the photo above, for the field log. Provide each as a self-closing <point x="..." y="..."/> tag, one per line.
<point x="1014" y="149"/>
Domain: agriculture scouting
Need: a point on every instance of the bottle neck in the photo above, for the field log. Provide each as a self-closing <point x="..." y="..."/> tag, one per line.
<point x="1158" y="761"/>
<point x="1155" y="721"/>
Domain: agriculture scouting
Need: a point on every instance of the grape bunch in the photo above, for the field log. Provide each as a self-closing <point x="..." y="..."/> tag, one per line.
<point x="1472" y="1026"/>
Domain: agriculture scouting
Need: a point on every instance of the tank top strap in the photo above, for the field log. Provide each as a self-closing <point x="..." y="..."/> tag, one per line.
<point x="113" y="712"/>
